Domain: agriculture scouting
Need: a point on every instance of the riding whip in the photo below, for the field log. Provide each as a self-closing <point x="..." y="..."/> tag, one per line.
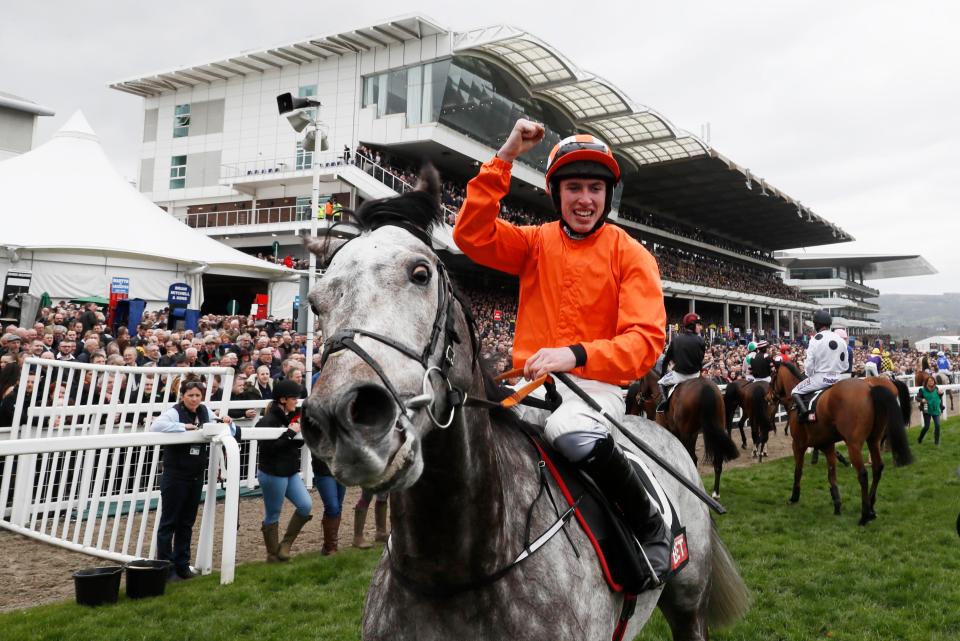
<point x="699" y="492"/>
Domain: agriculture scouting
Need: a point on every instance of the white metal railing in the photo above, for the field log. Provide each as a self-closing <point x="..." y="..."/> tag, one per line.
<point x="390" y="179"/>
<point x="273" y="166"/>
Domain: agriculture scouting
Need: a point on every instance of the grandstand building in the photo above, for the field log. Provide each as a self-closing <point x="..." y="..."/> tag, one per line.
<point x="836" y="282"/>
<point x="217" y="156"/>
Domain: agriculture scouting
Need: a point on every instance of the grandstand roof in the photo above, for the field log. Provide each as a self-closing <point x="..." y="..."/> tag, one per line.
<point x="667" y="170"/>
<point x="874" y="266"/>
<point x="10" y="101"/>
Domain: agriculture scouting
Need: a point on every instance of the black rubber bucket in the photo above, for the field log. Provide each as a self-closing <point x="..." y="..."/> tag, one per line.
<point x="147" y="577"/>
<point x="96" y="586"/>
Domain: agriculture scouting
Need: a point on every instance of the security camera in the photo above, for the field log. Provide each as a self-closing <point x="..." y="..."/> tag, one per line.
<point x="287" y="103"/>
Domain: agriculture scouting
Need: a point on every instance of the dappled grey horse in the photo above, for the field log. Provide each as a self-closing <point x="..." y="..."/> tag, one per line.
<point x="387" y="414"/>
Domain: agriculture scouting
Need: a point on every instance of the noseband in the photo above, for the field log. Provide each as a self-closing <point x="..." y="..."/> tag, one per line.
<point x="443" y="330"/>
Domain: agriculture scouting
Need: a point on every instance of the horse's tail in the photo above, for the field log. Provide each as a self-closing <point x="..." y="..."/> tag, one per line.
<point x="731" y="398"/>
<point x="903" y="395"/>
<point x="758" y="412"/>
<point x="886" y="411"/>
<point x="716" y="441"/>
<point x="729" y="598"/>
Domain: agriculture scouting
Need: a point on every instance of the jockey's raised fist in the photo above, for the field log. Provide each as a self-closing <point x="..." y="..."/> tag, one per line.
<point x="525" y="136"/>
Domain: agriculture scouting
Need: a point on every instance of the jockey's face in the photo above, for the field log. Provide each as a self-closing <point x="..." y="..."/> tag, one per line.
<point x="581" y="202"/>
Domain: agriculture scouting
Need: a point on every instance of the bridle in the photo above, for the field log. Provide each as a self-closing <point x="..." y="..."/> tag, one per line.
<point x="443" y="334"/>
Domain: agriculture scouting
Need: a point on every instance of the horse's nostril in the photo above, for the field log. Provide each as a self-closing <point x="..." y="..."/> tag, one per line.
<point x="367" y="406"/>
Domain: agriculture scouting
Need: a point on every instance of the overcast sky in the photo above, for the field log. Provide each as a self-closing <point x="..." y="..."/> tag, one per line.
<point x="852" y="108"/>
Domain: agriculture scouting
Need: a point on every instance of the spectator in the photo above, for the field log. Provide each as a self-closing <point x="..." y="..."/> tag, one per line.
<point x="930" y="399"/>
<point x="278" y="470"/>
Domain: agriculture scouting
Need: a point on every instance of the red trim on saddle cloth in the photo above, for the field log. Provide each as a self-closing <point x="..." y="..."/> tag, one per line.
<point x="616" y="587"/>
<point x="629" y="599"/>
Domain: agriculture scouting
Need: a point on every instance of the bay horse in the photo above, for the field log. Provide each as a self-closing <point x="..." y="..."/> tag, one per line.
<point x="465" y="487"/>
<point x="852" y="411"/>
<point x="752" y="399"/>
<point x="644" y="395"/>
<point x="696" y="405"/>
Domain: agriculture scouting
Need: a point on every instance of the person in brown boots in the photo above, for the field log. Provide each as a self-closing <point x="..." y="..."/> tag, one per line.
<point x="278" y="470"/>
<point x="360" y="519"/>
<point x="331" y="494"/>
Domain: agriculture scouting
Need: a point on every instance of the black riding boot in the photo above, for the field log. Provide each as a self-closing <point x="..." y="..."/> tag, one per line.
<point x="662" y="406"/>
<point x="617" y="479"/>
<point x="802" y="410"/>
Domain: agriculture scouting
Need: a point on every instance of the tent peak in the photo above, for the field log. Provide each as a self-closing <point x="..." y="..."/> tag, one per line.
<point x="77" y="127"/>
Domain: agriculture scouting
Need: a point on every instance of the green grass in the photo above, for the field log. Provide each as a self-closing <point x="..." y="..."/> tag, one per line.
<point x="812" y="575"/>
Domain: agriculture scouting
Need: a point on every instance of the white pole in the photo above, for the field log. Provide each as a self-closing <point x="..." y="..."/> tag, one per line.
<point x="312" y="265"/>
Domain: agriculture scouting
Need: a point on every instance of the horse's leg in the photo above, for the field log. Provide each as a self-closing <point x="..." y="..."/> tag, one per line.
<point x="856" y="458"/>
<point x="684" y="625"/>
<point x="743" y="435"/>
<point x="877" y="460"/>
<point x="831" y="452"/>
<point x="799" y="450"/>
<point x="717" y="470"/>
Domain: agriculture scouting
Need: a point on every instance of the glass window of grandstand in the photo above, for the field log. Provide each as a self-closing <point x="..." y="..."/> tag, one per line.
<point x="304" y="158"/>
<point x="303" y="207"/>
<point x="181" y="121"/>
<point x="178" y="172"/>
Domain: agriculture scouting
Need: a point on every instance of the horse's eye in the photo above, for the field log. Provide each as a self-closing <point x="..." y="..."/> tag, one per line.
<point x="420" y="274"/>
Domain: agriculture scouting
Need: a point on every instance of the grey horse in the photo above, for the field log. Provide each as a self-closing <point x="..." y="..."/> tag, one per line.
<point x="461" y="479"/>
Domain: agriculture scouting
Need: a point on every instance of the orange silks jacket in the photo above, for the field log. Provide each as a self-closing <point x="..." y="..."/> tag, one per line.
<point x="602" y="292"/>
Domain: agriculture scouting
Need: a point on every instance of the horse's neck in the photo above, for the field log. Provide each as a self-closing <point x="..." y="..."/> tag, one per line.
<point x="449" y="527"/>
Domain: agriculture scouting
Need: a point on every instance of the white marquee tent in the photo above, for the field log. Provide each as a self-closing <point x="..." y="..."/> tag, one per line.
<point x="69" y="218"/>
<point x="951" y="343"/>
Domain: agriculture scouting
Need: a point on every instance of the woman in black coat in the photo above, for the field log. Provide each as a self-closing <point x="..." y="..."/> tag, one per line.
<point x="278" y="470"/>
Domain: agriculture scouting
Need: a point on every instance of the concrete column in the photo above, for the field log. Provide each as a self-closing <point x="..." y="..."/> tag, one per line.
<point x="776" y="322"/>
<point x="746" y="317"/>
<point x="726" y="314"/>
<point x="692" y="305"/>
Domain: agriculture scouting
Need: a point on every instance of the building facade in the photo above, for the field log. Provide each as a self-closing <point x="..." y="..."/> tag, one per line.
<point x="18" y="124"/>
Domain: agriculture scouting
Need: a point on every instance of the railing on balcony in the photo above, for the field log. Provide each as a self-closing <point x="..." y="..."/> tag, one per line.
<point x="390" y="179"/>
<point x="260" y="216"/>
<point x="267" y="166"/>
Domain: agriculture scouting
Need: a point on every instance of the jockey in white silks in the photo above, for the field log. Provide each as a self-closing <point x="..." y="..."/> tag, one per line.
<point x="826" y="361"/>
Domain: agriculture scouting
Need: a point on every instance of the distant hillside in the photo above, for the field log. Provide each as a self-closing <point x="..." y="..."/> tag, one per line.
<point x="914" y="316"/>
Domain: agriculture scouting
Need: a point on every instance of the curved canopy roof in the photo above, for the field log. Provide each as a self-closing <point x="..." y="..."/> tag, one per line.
<point x="873" y="266"/>
<point x="668" y="171"/>
<point x="67" y="196"/>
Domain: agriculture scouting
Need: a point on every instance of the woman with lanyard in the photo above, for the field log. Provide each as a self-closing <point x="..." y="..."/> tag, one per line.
<point x="184" y="471"/>
<point x="278" y="470"/>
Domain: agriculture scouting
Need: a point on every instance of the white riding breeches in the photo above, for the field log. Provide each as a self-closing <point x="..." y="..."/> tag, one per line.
<point x="870" y="369"/>
<point x="574" y="415"/>
<point x="673" y="377"/>
<point x="814" y="383"/>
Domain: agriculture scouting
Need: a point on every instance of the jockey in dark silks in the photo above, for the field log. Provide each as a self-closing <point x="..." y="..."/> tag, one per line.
<point x="686" y="352"/>
<point x="761" y="365"/>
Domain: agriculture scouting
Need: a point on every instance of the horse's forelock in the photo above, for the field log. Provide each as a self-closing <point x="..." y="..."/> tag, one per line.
<point x="417" y="211"/>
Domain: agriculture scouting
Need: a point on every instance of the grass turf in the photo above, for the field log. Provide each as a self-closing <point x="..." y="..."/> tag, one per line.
<point x="812" y="574"/>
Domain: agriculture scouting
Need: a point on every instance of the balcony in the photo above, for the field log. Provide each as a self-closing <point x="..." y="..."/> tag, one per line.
<point x="833" y="284"/>
<point x="250" y="221"/>
<point x="265" y="172"/>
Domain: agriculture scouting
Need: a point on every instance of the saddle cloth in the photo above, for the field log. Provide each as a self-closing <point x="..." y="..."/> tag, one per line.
<point x="625" y="568"/>
<point x="811" y="400"/>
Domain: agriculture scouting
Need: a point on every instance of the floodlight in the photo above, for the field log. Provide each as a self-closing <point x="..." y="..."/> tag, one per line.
<point x="310" y="141"/>
<point x="287" y="103"/>
<point x="298" y="120"/>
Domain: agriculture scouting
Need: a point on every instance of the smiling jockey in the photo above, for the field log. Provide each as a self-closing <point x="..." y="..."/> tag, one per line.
<point x="590" y="304"/>
<point x="826" y="361"/>
<point x="686" y="352"/>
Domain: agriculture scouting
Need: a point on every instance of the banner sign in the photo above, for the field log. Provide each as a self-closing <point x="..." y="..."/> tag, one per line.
<point x="179" y="294"/>
<point x="120" y="285"/>
<point x="497" y="315"/>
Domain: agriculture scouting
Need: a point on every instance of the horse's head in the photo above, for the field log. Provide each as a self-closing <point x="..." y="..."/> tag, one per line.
<point x="396" y="342"/>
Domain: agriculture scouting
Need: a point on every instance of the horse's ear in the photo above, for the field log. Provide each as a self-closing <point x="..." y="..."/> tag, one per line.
<point x="323" y="247"/>
<point x="429" y="181"/>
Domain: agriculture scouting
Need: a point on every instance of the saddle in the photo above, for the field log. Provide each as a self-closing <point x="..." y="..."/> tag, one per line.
<point x="810" y="400"/>
<point x="621" y="556"/>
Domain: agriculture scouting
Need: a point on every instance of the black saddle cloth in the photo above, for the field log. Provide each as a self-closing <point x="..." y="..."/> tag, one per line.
<point x="617" y="548"/>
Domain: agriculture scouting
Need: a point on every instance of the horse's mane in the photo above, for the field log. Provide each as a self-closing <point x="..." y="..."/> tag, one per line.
<point x="416" y="211"/>
<point x="794" y="370"/>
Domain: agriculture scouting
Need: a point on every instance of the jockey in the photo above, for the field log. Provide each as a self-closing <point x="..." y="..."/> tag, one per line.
<point x="872" y="366"/>
<point x="886" y="364"/>
<point x="826" y="360"/>
<point x="923" y="364"/>
<point x="748" y="359"/>
<point x="591" y="305"/>
<point x="785" y="353"/>
<point x="760" y="365"/>
<point x="943" y="363"/>
<point x="686" y="352"/>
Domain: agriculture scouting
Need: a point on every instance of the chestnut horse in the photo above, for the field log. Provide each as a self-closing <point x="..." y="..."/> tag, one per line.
<point x="643" y="396"/>
<point x="696" y="405"/>
<point x="852" y="411"/>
